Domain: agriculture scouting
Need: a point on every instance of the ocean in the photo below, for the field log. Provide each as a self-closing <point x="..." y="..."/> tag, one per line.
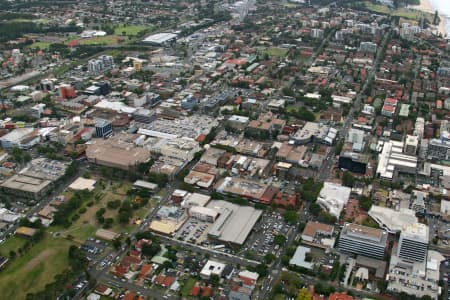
<point x="443" y="7"/>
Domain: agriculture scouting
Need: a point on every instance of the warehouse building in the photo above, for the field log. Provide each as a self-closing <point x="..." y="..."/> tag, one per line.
<point x="234" y="223"/>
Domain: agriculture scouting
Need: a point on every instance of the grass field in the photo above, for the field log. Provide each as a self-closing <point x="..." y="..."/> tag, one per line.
<point x="275" y="51"/>
<point x="132" y="30"/>
<point x="403" y="12"/>
<point x="32" y="271"/>
<point x="13" y="243"/>
<point x="40" y="45"/>
<point x="190" y="282"/>
<point x="100" y="40"/>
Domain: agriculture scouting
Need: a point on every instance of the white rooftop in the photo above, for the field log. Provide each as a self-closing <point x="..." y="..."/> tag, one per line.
<point x="333" y="197"/>
<point x="392" y="220"/>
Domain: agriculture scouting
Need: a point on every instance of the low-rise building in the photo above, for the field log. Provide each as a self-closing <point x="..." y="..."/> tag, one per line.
<point x="333" y="197"/>
<point x="318" y="235"/>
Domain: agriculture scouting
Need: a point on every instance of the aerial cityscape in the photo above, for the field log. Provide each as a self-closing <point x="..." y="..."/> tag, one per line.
<point x="242" y="149"/>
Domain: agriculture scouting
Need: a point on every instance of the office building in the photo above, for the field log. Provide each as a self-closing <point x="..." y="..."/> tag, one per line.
<point x="413" y="242"/>
<point x="413" y="269"/>
<point x="189" y="102"/>
<point x="354" y="162"/>
<point x="146" y="116"/>
<point x="333" y="197"/>
<point x="37" y="110"/>
<point x="100" y="64"/>
<point x="317" y="33"/>
<point x="362" y="240"/>
<point x="411" y="144"/>
<point x="368" y="47"/>
<point x="393" y="161"/>
<point x="439" y="149"/>
<point x="103" y="128"/>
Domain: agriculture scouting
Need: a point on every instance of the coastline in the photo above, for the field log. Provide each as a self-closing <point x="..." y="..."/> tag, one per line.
<point x="426" y="6"/>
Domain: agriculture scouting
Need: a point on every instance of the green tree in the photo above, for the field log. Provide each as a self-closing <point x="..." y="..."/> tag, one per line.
<point x="290" y="216"/>
<point x="279" y="240"/>
<point x="303" y="295"/>
<point x="348" y="179"/>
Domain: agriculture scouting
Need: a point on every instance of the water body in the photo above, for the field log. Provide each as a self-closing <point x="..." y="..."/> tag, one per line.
<point x="443" y="7"/>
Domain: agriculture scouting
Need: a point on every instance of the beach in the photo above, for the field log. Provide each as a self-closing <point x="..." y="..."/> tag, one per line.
<point x="426" y="6"/>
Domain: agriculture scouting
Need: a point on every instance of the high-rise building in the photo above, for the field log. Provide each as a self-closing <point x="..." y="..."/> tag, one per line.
<point x="101" y="64"/>
<point x="439" y="149"/>
<point x="103" y="128"/>
<point x="317" y="33"/>
<point x="362" y="240"/>
<point x="368" y="47"/>
<point x="413" y="243"/>
<point x="411" y="144"/>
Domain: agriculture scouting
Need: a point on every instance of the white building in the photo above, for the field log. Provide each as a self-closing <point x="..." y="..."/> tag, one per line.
<point x="413" y="269"/>
<point x="392" y="220"/>
<point x="204" y="213"/>
<point x="195" y="199"/>
<point x="393" y="161"/>
<point x="212" y="268"/>
<point x="333" y="197"/>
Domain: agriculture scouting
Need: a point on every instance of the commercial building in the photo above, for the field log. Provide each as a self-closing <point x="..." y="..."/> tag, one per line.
<point x="100" y="64"/>
<point x="35" y="180"/>
<point x="82" y="183"/>
<point x="37" y="110"/>
<point x="354" y="162"/>
<point x="311" y="132"/>
<point x="246" y="188"/>
<point x="411" y="144"/>
<point x="106" y="235"/>
<point x="413" y="269"/>
<point x="333" y="197"/>
<point x="238" y="123"/>
<point x="393" y="161"/>
<point x="189" y="102"/>
<point x="299" y="258"/>
<point x="368" y="47"/>
<point x="212" y="268"/>
<point x="19" y="137"/>
<point x="145" y="116"/>
<point x="26" y="187"/>
<point x="392" y="220"/>
<point x="234" y="223"/>
<point x="204" y="213"/>
<point x="413" y="242"/>
<point x="117" y="152"/>
<point x="103" y="128"/>
<point x="161" y="39"/>
<point x="318" y="235"/>
<point x="439" y="149"/>
<point x="362" y="240"/>
<point x="195" y="199"/>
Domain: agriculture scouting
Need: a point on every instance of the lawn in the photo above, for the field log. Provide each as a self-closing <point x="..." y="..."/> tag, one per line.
<point x="190" y="282"/>
<point x="406" y="13"/>
<point x="40" y="45"/>
<point x="132" y="30"/>
<point x="100" y="40"/>
<point x="12" y="243"/>
<point x="87" y="224"/>
<point x="38" y="267"/>
<point x="275" y="51"/>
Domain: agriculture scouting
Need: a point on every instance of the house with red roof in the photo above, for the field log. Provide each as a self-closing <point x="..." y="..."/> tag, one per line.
<point x="206" y="291"/>
<point x="340" y="296"/>
<point x="164" y="281"/>
<point x="138" y="245"/>
<point x="195" y="290"/>
<point x="286" y="200"/>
